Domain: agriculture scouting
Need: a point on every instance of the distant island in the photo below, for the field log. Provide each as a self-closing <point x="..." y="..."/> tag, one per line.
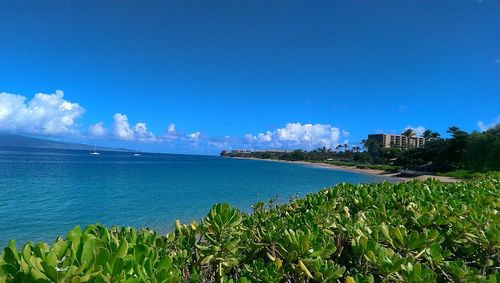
<point x="20" y="141"/>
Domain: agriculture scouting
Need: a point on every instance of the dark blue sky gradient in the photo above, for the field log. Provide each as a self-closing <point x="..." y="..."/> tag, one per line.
<point x="237" y="67"/>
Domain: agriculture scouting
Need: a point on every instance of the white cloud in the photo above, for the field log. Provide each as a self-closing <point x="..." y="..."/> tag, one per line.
<point x="249" y="138"/>
<point x="122" y="128"/>
<point x="484" y="127"/>
<point x="419" y="130"/>
<point x="297" y="135"/>
<point x="308" y="134"/>
<point x="267" y="137"/>
<point x="43" y="114"/>
<point x="171" y="129"/>
<point x="217" y="144"/>
<point x="194" y="136"/>
<point x="170" y="134"/>
<point x="98" y="129"/>
<point x="141" y="132"/>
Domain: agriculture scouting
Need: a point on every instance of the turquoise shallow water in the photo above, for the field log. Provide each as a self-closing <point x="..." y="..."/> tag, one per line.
<point x="44" y="193"/>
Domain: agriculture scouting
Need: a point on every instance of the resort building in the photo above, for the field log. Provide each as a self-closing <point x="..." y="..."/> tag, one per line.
<point x="272" y="151"/>
<point x="240" y="151"/>
<point x="397" y="141"/>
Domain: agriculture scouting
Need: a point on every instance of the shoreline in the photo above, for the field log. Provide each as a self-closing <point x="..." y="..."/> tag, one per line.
<point x="374" y="172"/>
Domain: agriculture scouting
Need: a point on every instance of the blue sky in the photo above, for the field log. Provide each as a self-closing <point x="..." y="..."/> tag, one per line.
<point x="257" y="74"/>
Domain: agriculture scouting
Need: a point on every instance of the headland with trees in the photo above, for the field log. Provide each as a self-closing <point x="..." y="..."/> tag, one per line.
<point x="462" y="154"/>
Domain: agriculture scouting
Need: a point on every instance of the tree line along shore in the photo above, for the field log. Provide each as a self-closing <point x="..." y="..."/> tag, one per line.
<point x="461" y="155"/>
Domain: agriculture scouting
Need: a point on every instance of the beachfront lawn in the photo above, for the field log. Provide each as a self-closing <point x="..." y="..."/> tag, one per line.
<point x="388" y="168"/>
<point x="460" y="174"/>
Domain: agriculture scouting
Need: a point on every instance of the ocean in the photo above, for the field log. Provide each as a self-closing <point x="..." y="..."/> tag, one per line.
<point x="46" y="192"/>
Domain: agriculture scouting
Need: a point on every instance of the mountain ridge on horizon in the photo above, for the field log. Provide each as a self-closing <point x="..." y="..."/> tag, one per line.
<point x="24" y="141"/>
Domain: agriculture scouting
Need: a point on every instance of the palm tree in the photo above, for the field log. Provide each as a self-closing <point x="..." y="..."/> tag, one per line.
<point x="429" y="135"/>
<point x="435" y="135"/>
<point x="408" y="133"/>
<point x="453" y="129"/>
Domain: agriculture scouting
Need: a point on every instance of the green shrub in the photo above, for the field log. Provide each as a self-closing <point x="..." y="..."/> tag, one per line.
<point x="413" y="232"/>
<point x="461" y="174"/>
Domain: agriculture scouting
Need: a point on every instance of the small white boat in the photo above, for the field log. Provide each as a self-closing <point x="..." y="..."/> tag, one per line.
<point x="137" y="153"/>
<point x="95" y="152"/>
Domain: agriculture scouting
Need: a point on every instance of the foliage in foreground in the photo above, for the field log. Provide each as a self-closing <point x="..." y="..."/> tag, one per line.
<point x="413" y="232"/>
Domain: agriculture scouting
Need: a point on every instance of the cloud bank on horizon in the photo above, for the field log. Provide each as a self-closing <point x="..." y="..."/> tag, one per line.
<point x="52" y="115"/>
<point x="297" y="135"/>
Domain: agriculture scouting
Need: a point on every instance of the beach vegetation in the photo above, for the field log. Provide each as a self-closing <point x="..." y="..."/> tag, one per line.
<point x="420" y="231"/>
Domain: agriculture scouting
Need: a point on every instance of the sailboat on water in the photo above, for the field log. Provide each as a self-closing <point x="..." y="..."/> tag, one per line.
<point x="137" y="153"/>
<point x="95" y="152"/>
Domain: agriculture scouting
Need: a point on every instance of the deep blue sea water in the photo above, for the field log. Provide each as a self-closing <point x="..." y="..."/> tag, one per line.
<point x="44" y="193"/>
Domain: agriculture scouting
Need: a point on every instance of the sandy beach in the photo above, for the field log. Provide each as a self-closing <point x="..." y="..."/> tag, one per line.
<point x="377" y="172"/>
